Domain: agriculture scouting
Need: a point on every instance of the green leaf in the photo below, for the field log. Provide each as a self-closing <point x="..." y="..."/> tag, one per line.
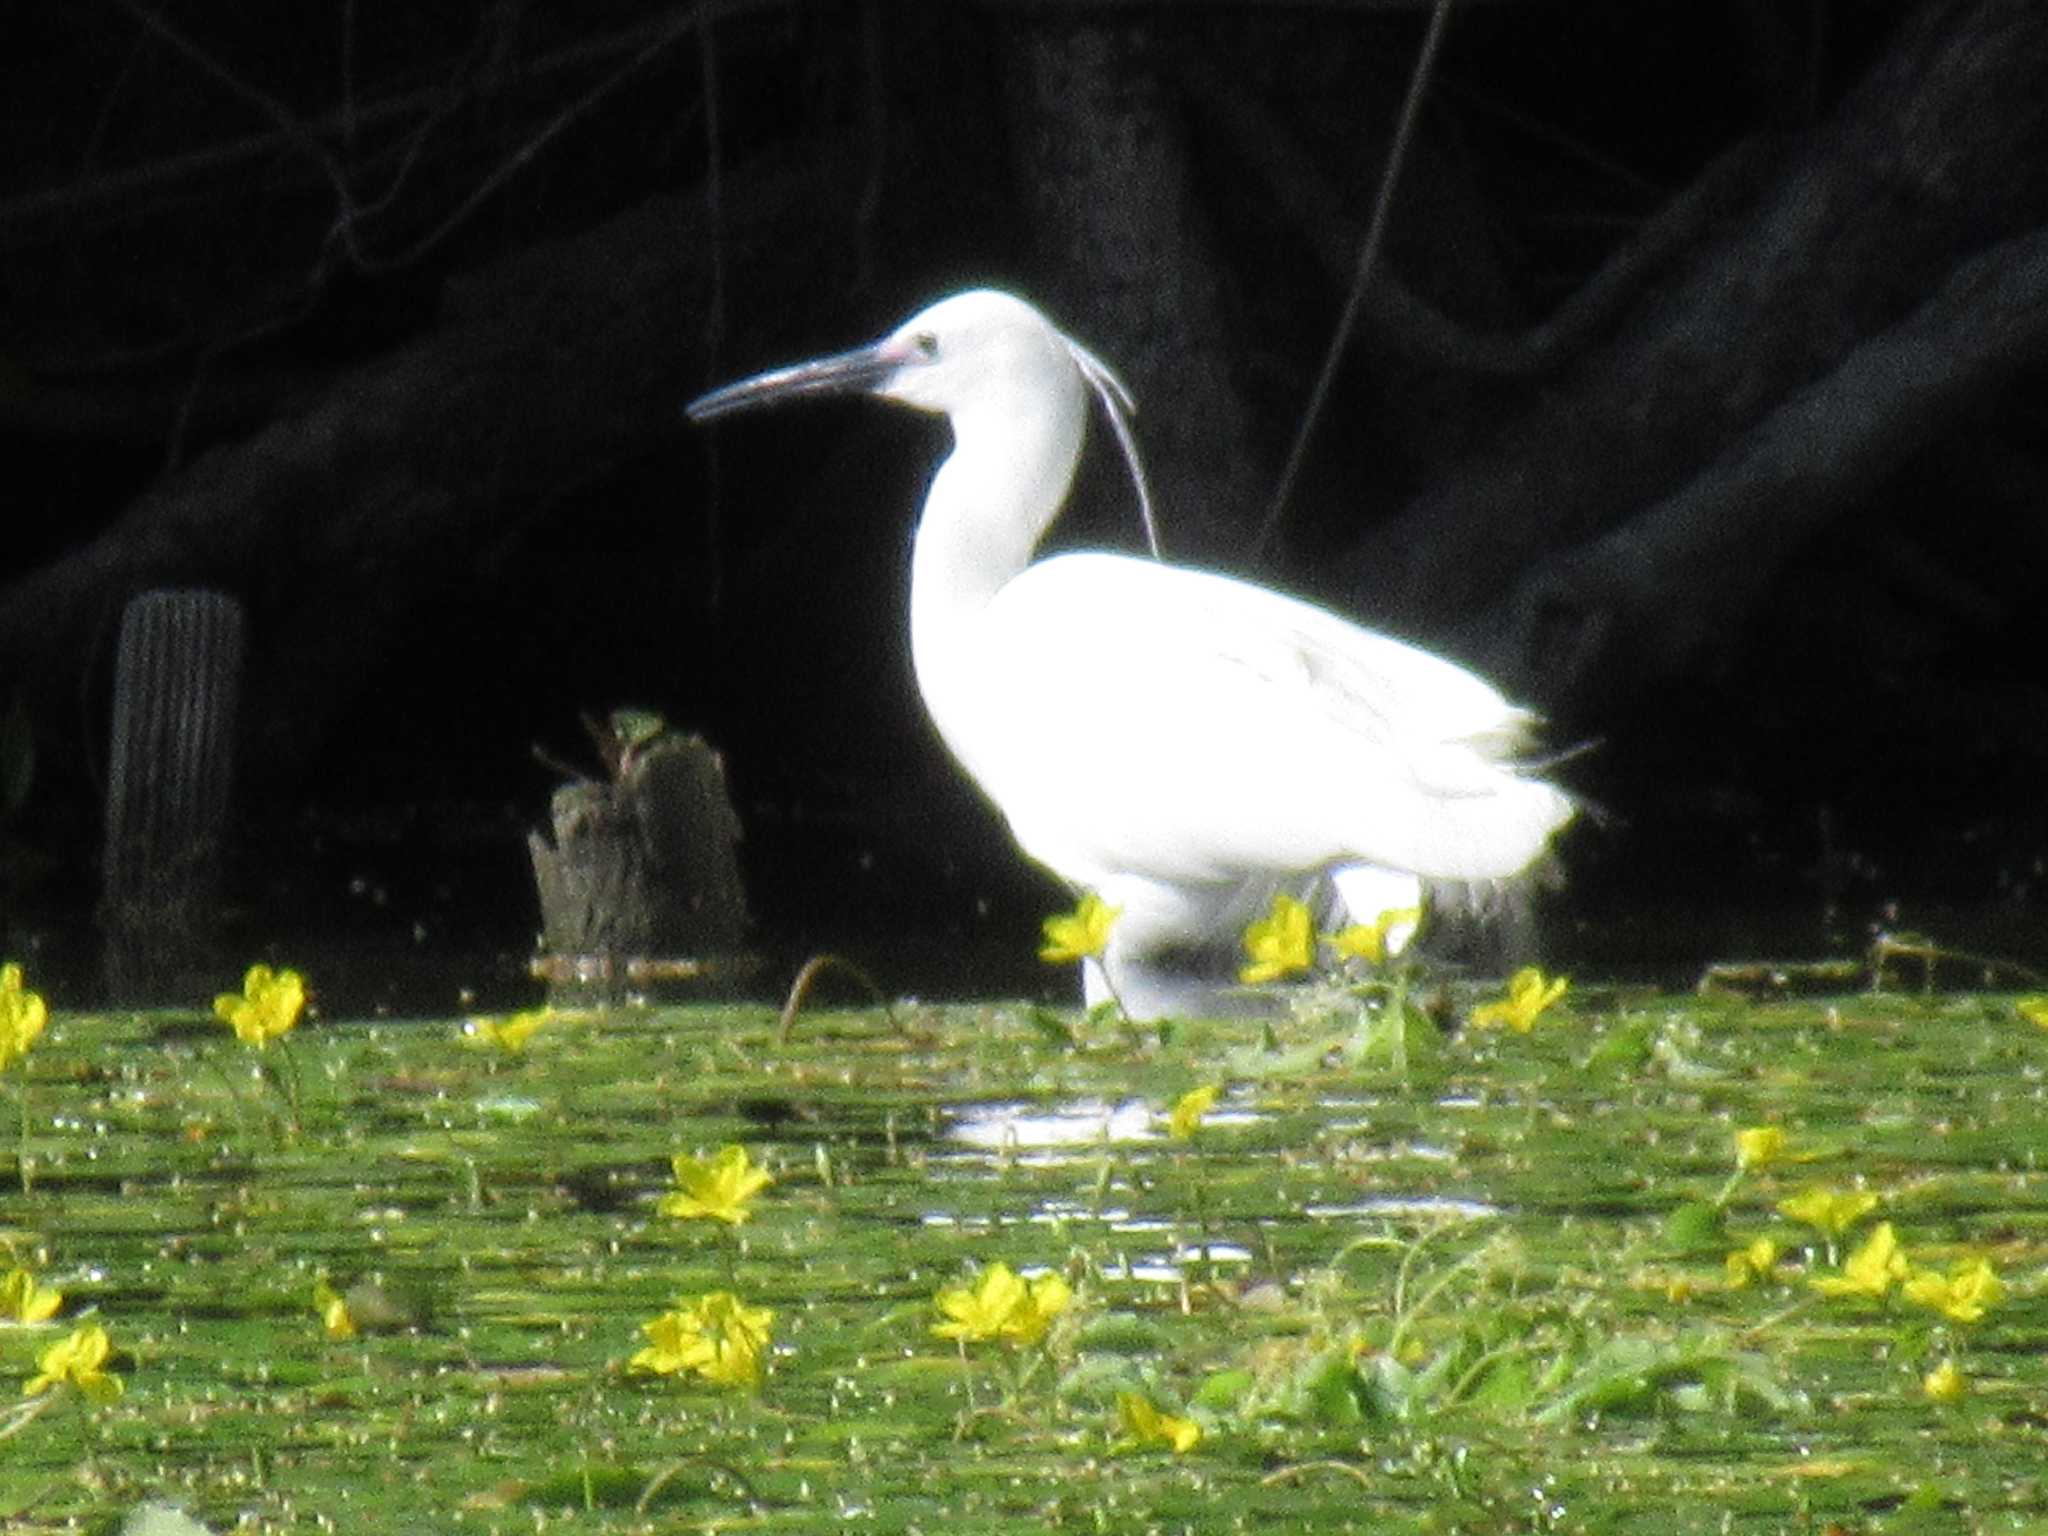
<point x="1383" y="1387"/>
<point x="1124" y="1333"/>
<point x="1331" y="1390"/>
<point x="1622" y="1050"/>
<point x="1508" y="1385"/>
<point x="1698" y="1226"/>
<point x="1223" y="1390"/>
<point x="1051" y="1028"/>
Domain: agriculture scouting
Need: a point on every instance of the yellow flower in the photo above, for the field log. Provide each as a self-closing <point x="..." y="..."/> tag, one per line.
<point x="675" y="1346"/>
<point x="1186" y="1116"/>
<point x="718" y="1336"/>
<point x="1870" y="1271"/>
<point x="1002" y="1305"/>
<point x="1529" y="995"/>
<point x="1830" y="1212"/>
<point x="1945" y="1383"/>
<point x="22" y="1015"/>
<point x="268" y="1005"/>
<point x="1080" y="934"/>
<point x="508" y="1035"/>
<point x="333" y="1309"/>
<point x="1963" y="1295"/>
<point x="77" y="1358"/>
<point x="717" y="1190"/>
<point x="739" y="1337"/>
<point x="1752" y="1261"/>
<point x="1759" y="1146"/>
<point x="22" y="1300"/>
<point x="982" y="1310"/>
<point x="1281" y="943"/>
<point x="1387" y="934"/>
<point x="2033" y="1009"/>
<point x="1047" y="1299"/>
<point x="1143" y="1425"/>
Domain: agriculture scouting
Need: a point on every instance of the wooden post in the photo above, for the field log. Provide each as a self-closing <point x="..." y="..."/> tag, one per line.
<point x="641" y="881"/>
<point x="170" y="775"/>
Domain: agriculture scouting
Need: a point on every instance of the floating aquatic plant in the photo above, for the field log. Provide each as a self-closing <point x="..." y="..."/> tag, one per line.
<point x="1141" y="1426"/>
<point x="1280" y="944"/>
<point x="717" y="1336"/>
<point x="1529" y="996"/>
<point x="1081" y="934"/>
<point x="1002" y="1305"/>
<point x="77" y="1360"/>
<point x="719" y="1188"/>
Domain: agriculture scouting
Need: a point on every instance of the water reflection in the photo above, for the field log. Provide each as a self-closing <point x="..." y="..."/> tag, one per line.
<point x="1025" y="1126"/>
<point x="1428" y="1207"/>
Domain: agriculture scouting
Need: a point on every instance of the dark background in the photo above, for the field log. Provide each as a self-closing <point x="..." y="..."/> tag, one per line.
<point x="1698" y="399"/>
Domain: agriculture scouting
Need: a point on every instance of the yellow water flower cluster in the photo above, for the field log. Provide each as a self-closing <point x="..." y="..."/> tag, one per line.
<point x="1963" y="1295"/>
<point x="77" y="1360"/>
<point x="1945" y="1383"/>
<point x="1280" y="944"/>
<point x="1002" y="1305"/>
<point x="1284" y="942"/>
<point x="23" y="1015"/>
<point x="1871" y="1271"/>
<point x="1531" y="994"/>
<point x="719" y="1188"/>
<point x="1185" y="1118"/>
<point x="1753" y="1261"/>
<point x="1081" y="934"/>
<point x="718" y="1336"/>
<point x="1830" y="1212"/>
<point x="509" y="1035"/>
<point x="26" y="1300"/>
<point x="1879" y="1264"/>
<point x="1759" y="1146"/>
<point x="1143" y="1426"/>
<point x="333" y="1308"/>
<point x="1379" y="940"/>
<point x="267" y="1007"/>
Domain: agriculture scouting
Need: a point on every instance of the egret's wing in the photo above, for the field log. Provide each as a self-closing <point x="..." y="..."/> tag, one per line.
<point x="1199" y="727"/>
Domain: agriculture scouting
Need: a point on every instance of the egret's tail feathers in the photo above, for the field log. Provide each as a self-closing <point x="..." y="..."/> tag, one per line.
<point x="1493" y="832"/>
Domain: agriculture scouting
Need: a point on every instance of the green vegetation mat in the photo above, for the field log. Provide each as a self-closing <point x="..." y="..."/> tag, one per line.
<point x="1524" y="1283"/>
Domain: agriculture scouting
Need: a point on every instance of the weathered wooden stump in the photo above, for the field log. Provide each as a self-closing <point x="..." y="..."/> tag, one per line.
<point x="640" y="883"/>
<point x="170" y="775"/>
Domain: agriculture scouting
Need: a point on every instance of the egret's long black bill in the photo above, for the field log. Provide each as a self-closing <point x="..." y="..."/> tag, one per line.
<point x="864" y="368"/>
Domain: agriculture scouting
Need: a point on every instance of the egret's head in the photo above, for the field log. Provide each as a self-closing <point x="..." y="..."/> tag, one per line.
<point x="965" y="355"/>
<point x="988" y="361"/>
<point x="977" y="349"/>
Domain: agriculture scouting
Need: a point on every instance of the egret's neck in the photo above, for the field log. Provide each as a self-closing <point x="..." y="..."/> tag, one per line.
<point x="990" y="503"/>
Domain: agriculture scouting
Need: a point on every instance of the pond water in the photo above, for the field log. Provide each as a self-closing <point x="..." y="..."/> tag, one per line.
<point x="1491" y="1292"/>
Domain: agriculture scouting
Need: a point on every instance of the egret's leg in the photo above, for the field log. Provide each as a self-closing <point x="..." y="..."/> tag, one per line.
<point x="1172" y="952"/>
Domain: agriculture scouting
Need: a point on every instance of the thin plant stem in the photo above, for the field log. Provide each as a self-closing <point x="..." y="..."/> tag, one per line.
<point x="21" y="1161"/>
<point x="289" y="1081"/>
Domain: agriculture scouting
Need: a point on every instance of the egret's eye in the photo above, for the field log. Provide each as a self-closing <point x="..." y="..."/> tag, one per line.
<point x="926" y="343"/>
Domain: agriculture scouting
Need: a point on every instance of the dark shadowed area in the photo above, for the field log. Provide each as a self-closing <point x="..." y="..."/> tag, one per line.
<point x="1698" y="400"/>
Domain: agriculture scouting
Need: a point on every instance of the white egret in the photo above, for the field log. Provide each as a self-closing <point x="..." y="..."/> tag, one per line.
<point x="1180" y="742"/>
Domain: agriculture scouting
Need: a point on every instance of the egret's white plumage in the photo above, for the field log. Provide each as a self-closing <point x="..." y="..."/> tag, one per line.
<point x="1181" y="742"/>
